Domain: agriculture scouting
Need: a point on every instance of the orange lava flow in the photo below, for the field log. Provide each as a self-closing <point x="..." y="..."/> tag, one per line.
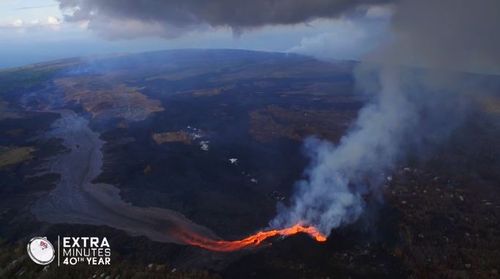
<point x="250" y="241"/>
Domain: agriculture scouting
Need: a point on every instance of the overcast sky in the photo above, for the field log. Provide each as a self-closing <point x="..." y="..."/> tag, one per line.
<point x="38" y="30"/>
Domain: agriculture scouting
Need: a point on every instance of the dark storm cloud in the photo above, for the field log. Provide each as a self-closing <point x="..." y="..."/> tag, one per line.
<point x="237" y="14"/>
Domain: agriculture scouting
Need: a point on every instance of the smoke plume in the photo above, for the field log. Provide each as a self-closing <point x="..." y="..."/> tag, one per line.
<point x="412" y="107"/>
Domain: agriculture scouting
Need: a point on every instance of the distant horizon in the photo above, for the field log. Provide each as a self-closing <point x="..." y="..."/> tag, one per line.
<point x="38" y="31"/>
<point x="126" y="53"/>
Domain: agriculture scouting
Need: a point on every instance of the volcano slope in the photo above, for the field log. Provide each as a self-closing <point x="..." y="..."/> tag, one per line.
<point x="439" y="217"/>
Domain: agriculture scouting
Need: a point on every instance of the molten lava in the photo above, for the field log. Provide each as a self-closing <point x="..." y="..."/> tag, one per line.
<point x="251" y="241"/>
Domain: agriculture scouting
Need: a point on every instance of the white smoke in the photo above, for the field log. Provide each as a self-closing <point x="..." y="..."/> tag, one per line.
<point x="412" y="107"/>
<point x="340" y="174"/>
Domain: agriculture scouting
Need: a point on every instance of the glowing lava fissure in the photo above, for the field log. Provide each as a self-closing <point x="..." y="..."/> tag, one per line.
<point x="250" y="241"/>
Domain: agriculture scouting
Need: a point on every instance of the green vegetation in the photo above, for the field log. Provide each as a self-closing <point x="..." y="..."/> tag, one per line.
<point x="12" y="156"/>
<point x="29" y="77"/>
<point x="6" y="112"/>
<point x="23" y="79"/>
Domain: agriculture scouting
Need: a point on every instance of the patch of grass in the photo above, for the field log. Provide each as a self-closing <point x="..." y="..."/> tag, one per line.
<point x="102" y="97"/>
<point x="179" y="136"/>
<point x="491" y="104"/>
<point x="12" y="156"/>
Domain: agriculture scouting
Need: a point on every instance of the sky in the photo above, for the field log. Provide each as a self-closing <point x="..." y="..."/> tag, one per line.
<point x="42" y="30"/>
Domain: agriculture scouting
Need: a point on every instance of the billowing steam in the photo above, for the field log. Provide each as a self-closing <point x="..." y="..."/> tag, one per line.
<point x="340" y="175"/>
<point x="412" y="107"/>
